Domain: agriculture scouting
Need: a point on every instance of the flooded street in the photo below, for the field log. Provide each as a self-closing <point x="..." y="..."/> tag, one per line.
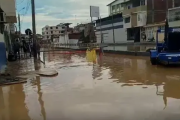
<point x="115" y="87"/>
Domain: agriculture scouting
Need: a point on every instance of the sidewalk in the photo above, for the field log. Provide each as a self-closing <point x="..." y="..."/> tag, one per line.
<point x="21" y="66"/>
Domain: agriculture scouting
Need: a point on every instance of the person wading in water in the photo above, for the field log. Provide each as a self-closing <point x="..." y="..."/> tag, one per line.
<point x="17" y="49"/>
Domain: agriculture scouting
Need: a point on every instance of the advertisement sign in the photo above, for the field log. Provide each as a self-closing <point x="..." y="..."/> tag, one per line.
<point x="94" y="11"/>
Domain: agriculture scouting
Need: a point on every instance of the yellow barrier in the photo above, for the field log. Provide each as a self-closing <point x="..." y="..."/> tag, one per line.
<point x="91" y="55"/>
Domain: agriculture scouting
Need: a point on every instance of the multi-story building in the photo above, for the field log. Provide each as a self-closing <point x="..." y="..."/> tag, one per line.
<point x="7" y="16"/>
<point x="142" y="13"/>
<point x="79" y="28"/>
<point x="142" y="16"/>
<point x="116" y="7"/>
<point x="51" y="32"/>
<point x="174" y="14"/>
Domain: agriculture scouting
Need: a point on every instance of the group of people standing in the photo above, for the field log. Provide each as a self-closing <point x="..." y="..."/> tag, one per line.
<point x="25" y="47"/>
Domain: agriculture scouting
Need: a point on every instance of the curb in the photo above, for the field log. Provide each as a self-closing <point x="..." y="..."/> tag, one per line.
<point x="133" y="53"/>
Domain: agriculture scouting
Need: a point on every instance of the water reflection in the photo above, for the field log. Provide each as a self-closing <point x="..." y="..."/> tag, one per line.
<point x="13" y="104"/>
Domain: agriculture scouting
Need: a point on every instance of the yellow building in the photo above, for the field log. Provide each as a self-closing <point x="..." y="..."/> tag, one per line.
<point x="151" y="30"/>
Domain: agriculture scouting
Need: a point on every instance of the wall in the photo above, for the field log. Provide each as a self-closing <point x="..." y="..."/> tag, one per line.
<point x="9" y="8"/>
<point x="105" y="26"/>
<point x="3" y="59"/>
<point x="134" y="20"/>
<point x="120" y="34"/>
<point x="159" y="6"/>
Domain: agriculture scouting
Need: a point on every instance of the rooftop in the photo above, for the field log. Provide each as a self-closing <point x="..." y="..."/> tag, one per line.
<point x="122" y="1"/>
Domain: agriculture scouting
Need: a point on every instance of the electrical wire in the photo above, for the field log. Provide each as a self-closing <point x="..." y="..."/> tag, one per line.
<point x="19" y="2"/>
<point x="27" y="8"/>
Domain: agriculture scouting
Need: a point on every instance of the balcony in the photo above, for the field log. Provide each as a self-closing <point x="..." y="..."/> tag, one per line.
<point x="136" y="9"/>
<point x="174" y="17"/>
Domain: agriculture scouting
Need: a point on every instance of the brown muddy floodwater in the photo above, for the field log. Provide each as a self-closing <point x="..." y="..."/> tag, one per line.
<point x="115" y="88"/>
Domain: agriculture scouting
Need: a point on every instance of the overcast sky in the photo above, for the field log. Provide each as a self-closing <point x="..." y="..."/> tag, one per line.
<point x="53" y="12"/>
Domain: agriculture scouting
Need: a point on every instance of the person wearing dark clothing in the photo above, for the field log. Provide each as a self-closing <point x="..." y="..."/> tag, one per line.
<point x="25" y="48"/>
<point x="38" y="49"/>
<point x="17" y="48"/>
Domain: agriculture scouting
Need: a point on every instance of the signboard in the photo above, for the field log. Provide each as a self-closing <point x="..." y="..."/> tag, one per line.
<point x="141" y="19"/>
<point x="94" y="11"/>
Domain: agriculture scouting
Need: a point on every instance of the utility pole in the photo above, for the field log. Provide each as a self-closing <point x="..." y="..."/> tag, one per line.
<point x="113" y="28"/>
<point x="34" y="28"/>
<point x="19" y="26"/>
<point x="152" y="11"/>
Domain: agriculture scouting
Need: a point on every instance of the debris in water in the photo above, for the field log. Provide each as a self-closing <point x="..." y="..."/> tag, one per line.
<point x="126" y="85"/>
<point x="47" y="73"/>
<point x="144" y="87"/>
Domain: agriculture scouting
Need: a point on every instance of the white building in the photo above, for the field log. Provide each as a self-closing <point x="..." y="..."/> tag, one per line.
<point x="110" y="30"/>
<point x="54" y="31"/>
<point x="116" y="7"/>
<point x="7" y="15"/>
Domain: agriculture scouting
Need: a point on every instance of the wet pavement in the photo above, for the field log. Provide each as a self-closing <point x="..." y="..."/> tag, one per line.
<point x="116" y="87"/>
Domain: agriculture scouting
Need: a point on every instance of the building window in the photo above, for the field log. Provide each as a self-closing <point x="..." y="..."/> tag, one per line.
<point x="47" y="36"/>
<point x="139" y="18"/>
<point x="46" y="32"/>
<point x="142" y="2"/>
<point x="51" y="27"/>
<point x="56" y="27"/>
<point x="121" y="7"/>
<point x="63" y="27"/>
<point x="118" y="7"/>
<point x="127" y="20"/>
<point x="62" y="31"/>
<point x="129" y="7"/>
<point x="46" y="28"/>
<point x="113" y="9"/>
<point x="51" y="32"/>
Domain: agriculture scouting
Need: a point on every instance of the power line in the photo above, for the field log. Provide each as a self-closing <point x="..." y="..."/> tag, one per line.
<point x="27" y="8"/>
<point x="19" y="2"/>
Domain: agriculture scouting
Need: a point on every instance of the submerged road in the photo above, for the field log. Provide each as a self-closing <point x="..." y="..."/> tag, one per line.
<point x="116" y="87"/>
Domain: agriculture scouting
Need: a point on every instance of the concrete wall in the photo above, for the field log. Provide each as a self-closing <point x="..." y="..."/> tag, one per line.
<point x="120" y="33"/>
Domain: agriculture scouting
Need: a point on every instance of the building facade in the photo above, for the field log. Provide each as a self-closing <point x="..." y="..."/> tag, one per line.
<point x="110" y="30"/>
<point x="138" y="15"/>
<point x="7" y="16"/>
<point x="53" y="31"/>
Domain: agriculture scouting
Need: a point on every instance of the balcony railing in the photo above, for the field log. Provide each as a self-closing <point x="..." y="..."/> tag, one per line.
<point x="174" y="14"/>
<point x="136" y="9"/>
